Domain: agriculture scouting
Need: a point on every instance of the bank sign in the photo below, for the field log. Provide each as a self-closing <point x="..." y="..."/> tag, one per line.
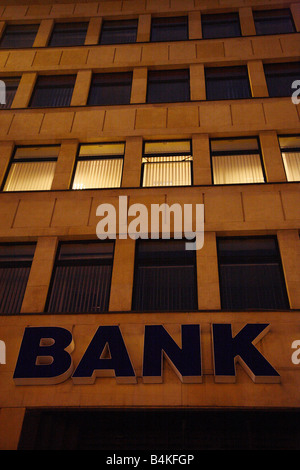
<point x="45" y="355"/>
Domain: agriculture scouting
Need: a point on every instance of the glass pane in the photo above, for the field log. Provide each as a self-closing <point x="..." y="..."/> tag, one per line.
<point x="50" y="151"/>
<point x="280" y="77"/>
<point x="167" y="171"/>
<point x="16" y="253"/>
<point x="106" y="173"/>
<point x="168" y="86"/>
<point x="167" y="147"/>
<point x="30" y="176"/>
<point x="68" y="34"/>
<point x="220" y="26"/>
<point x="118" y="32"/>
<point x="291" y="162"/>
<point x="169" y="29"/>
<point x="227" y="83"/>
<point x="110" y="89"/>
<point x="16" y="36"/>
<point x="86" y="251"/>
<point x="232" y="145"/>
<point x="53" y="91"/>
<point x="236" y="169"/>
<point x="90" y="150"/>
<point x="292" y="141"/>
<point x="273" y="21"/>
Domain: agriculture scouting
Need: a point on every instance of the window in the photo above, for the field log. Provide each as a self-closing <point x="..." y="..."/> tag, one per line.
<point x="165" y="276"/>
<point x="223" y="25"/>
<point x="168" y="86"/>
<point x="290" y="150"/>
<point x="169" y="29"/>
<point x="68" y="34"/>
<point x="32" y="168"/>
<point x="11" y="86"/>
<point x="236" y="161"/>
<point x="227" y="83"/>
<point x="15" y="264"/>
<point x="118" y="32"/>
<point x="251" y="275"/>
<point x="280" y="77"/>
<point x="99" y="166"/>
<point x="167" y="163"/>
<point x="81" y="278"/>
<point x="273" y="21"/>
<point x="53" y="91"/>
<point x="110" y="89"/>
<point x="18" y="36"/>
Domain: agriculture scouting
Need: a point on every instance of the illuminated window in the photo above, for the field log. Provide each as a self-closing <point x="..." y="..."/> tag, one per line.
<point x="118" y="32"/>
<point x="280" y="77"/>
<point x="53" y="91"/>
<point x="68" y="34"/>
<point x="18" y="36"/>
<point x="251" y="275"/>
<point x="165" y="276"/>
<point x="236" y="161"/>
<point x="15" y="264"/>
<point x="273" y="21"/>
<point x="227" y="83"/>
<point x="99" y="166"/>
<point x="11" y="86"/>
<point x="32" y="169"/>
<point x="81" y="278"/>
<point x="223" y="25"/>
<point x="166" y="86"/>
<point x="167" y="163"/>
<point x="169" y="29"/>
<point x="290" y="150"/>
<point x="110" y="89"/>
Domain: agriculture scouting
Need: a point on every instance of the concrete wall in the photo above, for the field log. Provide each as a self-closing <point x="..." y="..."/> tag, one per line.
<point x="63" y="214"/>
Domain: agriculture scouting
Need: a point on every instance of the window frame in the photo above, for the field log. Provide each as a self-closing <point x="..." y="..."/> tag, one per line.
<point x="166" y="154"/>
<point x="166" y="71"/>
<point x="24" y="160"/>
<point x="235" y="21"/>
<point x="267" y="18"/>
<point x="96" y="157"/>
<point x="166" y="18"/>
<point x="280" y="267"/>
<point x="60" y="23"/>
<point x="134" y="309"/>
<point x="88" y="262"/>
<point x="107" y="75"/>
<point x="36" y="88"/>
<point x="8" y="25"/>
<point x="107" y="23"/>
<point x="237" y="152"/>
<point x="219" y="78"/>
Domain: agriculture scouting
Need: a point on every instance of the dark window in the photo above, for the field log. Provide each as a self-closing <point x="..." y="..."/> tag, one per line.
<point x="273" y="21"/>
<point x="168" y="86"/>
<point x="118" y="32"/>
<point x="251" y="275"/>
<point x="223" y="25"/>
<point x="81" y="278"/>
<point x="16" y="36"/>
<point x="280" y="77"/>
<point x="110" y="89"/>
<point x="169" y="29"/>
<point x="165" y="276"/>
<point x="52" y="91"/>
<point x="11" y="86"/>
<point x="68" y="34"/>
<point x="227" y="83"/>
<point x="15" y="264"/>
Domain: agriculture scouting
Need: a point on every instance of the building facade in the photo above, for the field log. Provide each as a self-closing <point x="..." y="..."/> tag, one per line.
<point x="149" y="102"/>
